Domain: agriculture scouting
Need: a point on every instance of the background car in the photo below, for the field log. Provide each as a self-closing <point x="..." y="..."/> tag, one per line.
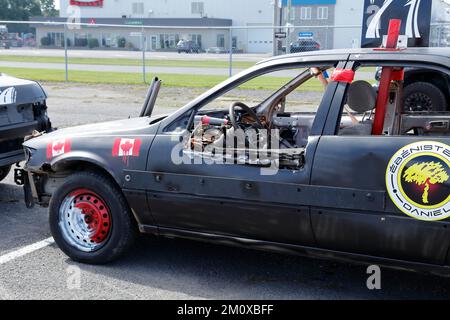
<point x="306" y="45"/>
<point x="13" y="40"/>
<point x="4" y="44"/>
<point x="29" y="40"/>
<point x="216" y="50"/>
<point x="188" y="47"/>
<point x="3" y="37"/>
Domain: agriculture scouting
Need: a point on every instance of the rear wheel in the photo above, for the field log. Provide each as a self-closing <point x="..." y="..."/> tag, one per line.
<point x="90" y="219"/>
<point x="4" y="171"/>
<point x="424" y="97"/>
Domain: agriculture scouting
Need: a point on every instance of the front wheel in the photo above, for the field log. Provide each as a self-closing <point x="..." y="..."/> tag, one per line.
<point x="90" y="219"/>
<point x="4" y="171"/>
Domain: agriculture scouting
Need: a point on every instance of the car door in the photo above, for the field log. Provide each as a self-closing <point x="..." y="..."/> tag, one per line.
<point x="365" y="166"/>
<point x="224" y="199"/>
<point x="233" y="200"/>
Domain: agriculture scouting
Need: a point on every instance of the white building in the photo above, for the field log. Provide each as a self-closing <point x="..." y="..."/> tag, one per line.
<point x="218" y="14"/>
<point x="348" y="23"/>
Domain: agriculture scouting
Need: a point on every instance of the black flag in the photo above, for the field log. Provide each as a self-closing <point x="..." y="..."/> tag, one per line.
<point x="415" y="16"/>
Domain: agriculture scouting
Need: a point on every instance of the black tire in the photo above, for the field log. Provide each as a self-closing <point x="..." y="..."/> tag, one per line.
<point x="4" y="171"/>
<point x="123" y="231"/>
<point x="424" y="97"/>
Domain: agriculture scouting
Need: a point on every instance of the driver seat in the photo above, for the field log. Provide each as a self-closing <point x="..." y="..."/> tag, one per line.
<point x="361" y="98"/>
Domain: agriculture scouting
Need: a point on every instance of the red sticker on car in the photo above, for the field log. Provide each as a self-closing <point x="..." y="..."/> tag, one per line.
<point x="343" y="75"/>
<point x="58" y="147"/>
<point x="126" y="148"/>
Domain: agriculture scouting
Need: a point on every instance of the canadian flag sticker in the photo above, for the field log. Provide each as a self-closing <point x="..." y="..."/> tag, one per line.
<point x="126" y="148"/>
<point x="58" y="147"/>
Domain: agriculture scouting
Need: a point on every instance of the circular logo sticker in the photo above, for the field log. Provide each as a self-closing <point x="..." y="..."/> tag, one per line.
<point x="418" y="180"/>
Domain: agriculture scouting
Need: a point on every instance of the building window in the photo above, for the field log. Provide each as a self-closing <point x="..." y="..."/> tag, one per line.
<point x="196" y="38"/>
<point x="305" y="13"/>
<point x="137" y="8"/>
<point x="81" y="40"/>
<point x="168" y="41"/>
<point x="197" y="8"/>
<point x="235" y="43"/>
<point x="221" y="40"/>
<point x="322" y="13"/>
<point x="55" y="39"/>
<point x="110" y="40"/>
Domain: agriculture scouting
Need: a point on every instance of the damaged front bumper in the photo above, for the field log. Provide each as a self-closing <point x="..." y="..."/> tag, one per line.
<point x="33" y="187"/>
<point x="22" y="178"/>
<point x="32" y="183"/>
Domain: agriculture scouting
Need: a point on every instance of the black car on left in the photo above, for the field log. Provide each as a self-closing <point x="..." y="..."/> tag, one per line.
<point x="23" y="109"/>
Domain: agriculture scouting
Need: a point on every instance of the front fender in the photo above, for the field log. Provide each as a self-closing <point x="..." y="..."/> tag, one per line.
<point x="70" y="159"/>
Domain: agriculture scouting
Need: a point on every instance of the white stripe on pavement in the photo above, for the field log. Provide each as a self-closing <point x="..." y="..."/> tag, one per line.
<point x="26" y="250"/>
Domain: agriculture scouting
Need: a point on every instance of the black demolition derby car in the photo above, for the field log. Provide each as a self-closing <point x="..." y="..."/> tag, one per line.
<point x="23" y="109"/>
<point x="343" y="172"/>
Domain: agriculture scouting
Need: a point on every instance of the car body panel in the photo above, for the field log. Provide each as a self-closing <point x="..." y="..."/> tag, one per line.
<point x="95" y="143"/>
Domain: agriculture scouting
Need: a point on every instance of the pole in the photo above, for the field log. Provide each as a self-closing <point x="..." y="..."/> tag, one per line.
<point x="275" y="22"/>
<point x="288" y="31"/>
<point x="230" y="73"/>
<point x="66" y="58"/>
<point x="143" y="44"/>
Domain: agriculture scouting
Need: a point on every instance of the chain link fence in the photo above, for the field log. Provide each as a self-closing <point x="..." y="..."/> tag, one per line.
<point x="145" y="51"/>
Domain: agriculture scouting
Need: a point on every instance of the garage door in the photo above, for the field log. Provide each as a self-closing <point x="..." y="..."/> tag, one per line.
<point x="260" y="40"/>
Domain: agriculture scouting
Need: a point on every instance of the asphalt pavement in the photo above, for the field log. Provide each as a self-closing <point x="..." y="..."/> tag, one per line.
<point x="123" y="69"/>
<point x="32" y="52"/>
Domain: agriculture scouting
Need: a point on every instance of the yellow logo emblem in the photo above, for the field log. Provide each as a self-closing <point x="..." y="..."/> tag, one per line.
<point x="417" y="180"/>
<point x="426" y="174"/>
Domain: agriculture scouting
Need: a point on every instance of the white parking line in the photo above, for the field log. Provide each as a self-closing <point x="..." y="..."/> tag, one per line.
<point x="26" y="250"/>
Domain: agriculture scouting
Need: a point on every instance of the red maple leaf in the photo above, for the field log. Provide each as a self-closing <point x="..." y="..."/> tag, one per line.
<point x="58" y="147"/>
<point x="126" y="147"/>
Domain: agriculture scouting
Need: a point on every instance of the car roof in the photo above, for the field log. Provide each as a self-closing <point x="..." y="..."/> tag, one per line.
<point x="427" y="55"/>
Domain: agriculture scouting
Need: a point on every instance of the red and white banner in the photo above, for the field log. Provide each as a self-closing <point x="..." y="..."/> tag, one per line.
<point x="58" y="147"/>
<point x="126" y="148"/>
<point x="86" y="3"/>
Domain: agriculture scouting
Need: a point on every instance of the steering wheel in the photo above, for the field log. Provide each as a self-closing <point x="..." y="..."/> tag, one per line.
<point x="248" y="110"/>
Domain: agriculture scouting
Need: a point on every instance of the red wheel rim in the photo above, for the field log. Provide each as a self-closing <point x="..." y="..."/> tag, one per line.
<point x="85" y="220"/>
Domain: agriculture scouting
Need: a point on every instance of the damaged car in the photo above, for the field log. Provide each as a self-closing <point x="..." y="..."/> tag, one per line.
<point x="23" y="109"/>
<point x="343" y="172"/>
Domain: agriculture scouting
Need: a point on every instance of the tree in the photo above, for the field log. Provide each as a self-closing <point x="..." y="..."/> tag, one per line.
<point x="426" y="174"/>
<point x="19" y="10"/>
<point x="48" y="8"/>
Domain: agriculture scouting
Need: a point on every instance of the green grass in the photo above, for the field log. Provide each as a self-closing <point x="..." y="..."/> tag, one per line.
<point x="130" y="62"/>
<point x="138" y="62"/>
<point x="169" y="80"/>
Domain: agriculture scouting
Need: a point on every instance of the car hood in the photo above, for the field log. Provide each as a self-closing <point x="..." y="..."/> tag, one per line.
<point x="128" y="127"/>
